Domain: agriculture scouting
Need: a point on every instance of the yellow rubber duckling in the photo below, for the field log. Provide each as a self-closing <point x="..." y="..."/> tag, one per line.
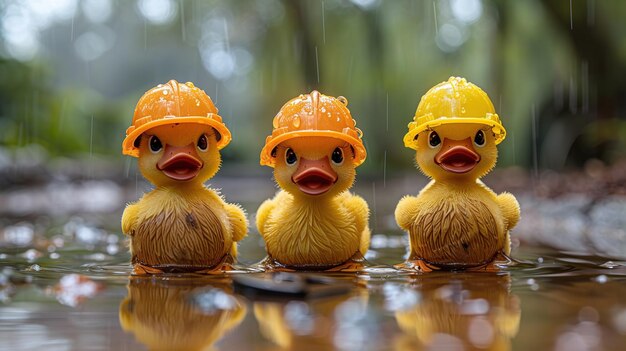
<point x="314" y="223"/>
<point x="181" y="225"/>
<point x="456" y="221"/>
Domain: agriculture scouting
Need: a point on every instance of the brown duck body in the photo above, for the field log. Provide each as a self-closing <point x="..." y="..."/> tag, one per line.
<point x="178" y="228"/>
<point x="455" y="225"/>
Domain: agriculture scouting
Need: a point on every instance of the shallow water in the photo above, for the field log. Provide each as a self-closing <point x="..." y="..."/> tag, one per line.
<point x="72" y="291"/>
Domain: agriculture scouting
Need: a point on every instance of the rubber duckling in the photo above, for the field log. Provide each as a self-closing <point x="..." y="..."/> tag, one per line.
<point x="181" y="225"/>
<point x="456" y="221"/>
<point x="166" y="315"/>
<point x="480" y="313"/>
<point x="314" y="223"/>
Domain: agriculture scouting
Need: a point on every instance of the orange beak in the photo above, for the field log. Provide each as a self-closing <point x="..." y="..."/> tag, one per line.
<point x="314" y="177"/>
<point x="457" y="156"/>
<point x="180" y="162"/>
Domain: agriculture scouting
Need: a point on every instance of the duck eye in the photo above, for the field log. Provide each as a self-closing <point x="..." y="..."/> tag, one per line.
<point x="203" y="143"/>
<point x="337" y="156"/>
<point x="433" y="139"/>
<point x="155" y="144"/>
<point x="290" y="157"/>
<point x="479" y="139"/>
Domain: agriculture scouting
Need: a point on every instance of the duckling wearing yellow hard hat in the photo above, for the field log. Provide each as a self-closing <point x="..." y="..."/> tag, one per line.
<point x="456" y="221"/>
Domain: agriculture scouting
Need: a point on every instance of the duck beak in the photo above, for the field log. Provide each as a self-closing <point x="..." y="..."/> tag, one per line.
<point x="180" y="162"/>
<point x="457" y="156"/>
<point x="314" y="177"/>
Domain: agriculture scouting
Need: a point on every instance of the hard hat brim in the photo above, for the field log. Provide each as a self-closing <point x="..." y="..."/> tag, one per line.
<point x="128" y="145"/>
<point x="497" y="128"/>
<point x="266" y="153"/>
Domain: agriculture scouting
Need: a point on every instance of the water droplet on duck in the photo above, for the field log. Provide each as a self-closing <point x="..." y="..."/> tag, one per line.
<point x="160" y="86"/>
<point x="165" y="92"/>
<point x="462" y="109"/>
<point x="323" y="109"/>
<point x="296" y="121"/>
<point x="197" y="102"/>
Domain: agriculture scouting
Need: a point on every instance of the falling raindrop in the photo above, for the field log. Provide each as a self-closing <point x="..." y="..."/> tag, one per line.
<point x="571" y="20"/>
<point x="435" y="16"/>
<point x="323" y="24"/>
<point x="317" y="65"/>
<point x="534" y="135"/>
<point x="91" y="150"/>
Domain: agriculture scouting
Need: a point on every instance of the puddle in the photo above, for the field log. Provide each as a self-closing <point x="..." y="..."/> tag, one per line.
<point x="72" y="291"/>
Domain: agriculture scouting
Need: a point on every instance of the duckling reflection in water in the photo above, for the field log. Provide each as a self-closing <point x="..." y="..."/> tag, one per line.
<point x="171" y="315"/>
<point x="477" y="311"/>
<point x="309" y="324"/>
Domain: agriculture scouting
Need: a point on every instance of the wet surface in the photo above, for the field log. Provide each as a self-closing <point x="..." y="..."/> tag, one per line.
<point x="65" y="281"/>
<point x="67" y="287"/>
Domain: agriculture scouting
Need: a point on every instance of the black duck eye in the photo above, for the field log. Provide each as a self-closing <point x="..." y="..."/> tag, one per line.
<point x="155" y="144"/>
<point x="203" y="143"/>
<point x="337" y="156"/>
<point x="479" y="139"/>
<point x="290" y="157"/>
<point x="433" y="139"/>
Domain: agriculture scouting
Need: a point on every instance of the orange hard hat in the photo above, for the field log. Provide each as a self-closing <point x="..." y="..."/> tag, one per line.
<point x="311" y="115"/>
<point x="173" y="103"/>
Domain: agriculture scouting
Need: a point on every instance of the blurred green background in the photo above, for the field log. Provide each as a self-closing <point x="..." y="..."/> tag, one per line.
<point x="72" y="71"/>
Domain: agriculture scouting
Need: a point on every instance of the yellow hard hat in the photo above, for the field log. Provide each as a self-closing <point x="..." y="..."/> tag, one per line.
<point x="311" y="115"/>
<point x="454" y="101"/>
<point x="173" y="103"/>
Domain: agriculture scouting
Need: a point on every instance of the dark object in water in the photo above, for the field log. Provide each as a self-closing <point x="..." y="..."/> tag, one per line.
<point x="269" y="285"/>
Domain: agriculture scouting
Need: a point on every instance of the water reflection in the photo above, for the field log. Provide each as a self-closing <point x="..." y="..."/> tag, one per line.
<point x="177" y="314"/>
<point x="319" y="324"/>
<point x="463" y="311"/>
